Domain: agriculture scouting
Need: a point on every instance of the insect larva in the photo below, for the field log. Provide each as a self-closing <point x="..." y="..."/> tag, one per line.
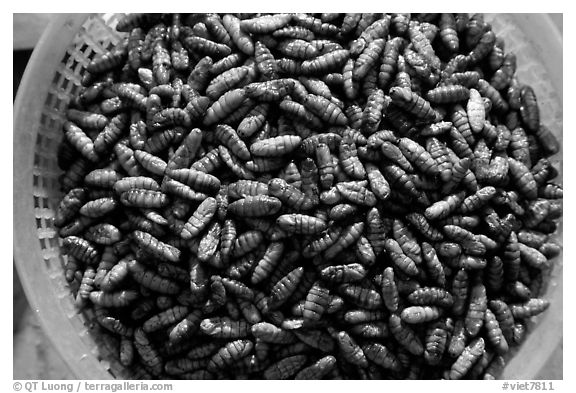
<point x="228" y="136"/>
<point x="204" y="46"/>
<point x="182" y="367"/>
<point x="69" y="206"/>
<point x="301" y="224"/>
<point x="436" y="341"/>
<point x="147" y="352"/>
<point x="284" y="288"/>
<point x="277" y="146"/>
<point x="81" y="249"/>
<point x="420" y="314"/>
<point x="150" y="279"/>
<point x="343" y="273"/>
<point x="325" y="110"/>
<point x="86" y="287"/>
<point x="407" y="241"/>
<point x="483" y="47"/>
<point x="363" y="297"/>
<point x="235" y="165"/>
<point x="80" y="141"/>
<point x="476" y="310"/>
<point x="315" y="25"/>
<point x="529" y="110"/>
<point x="198" y="180"/>
<point x="399" y="258"/>
<point x="398" y="178"/>
<point x="368" y="58"/>
<point x="238" y="289"/>
<point x="246" y="242"/>
<point x="529" y="309"/>
<point x="223" y="327"/>
<point x="86" y="120"/>
<point x="468" y="357"/>
<point x="224" y="106"/>
<point x="244" y="188"/>
<point x="229" y="354"/>
<point x="254" y="121"/>
<point x="271" y="334"/>
<point x="156" y="247"/>
<point x="165" y="318"/>
<point x="265" y="24"/>
<point x="113" y="299"/>
<point x="523" y="178"/>
<point x="351" y="352"/>
<point x="144" y="198"/>
<point x="349" y="160"/>
<point x="317" y="245"/>
<point x="448" y="33"/>
<point x="285" y="368"/>
<point x="289" y="195"/>
<point x="356" y="192"/>
<point x="347" y="237"/>
<point x="381" y="356"/>
<point x="103" y="233"/>
<point x="405" y="335"/>
<point x="494" y="334"/>
<point x="317" y="370"/>
<point x="448" y="94"/>
<point x="239" y="37"/>
<point x="255" y="206"/>
<point x="431" y="296"/>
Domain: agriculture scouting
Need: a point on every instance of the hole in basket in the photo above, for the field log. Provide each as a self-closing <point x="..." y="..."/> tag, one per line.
<point x="37" y="158"/>
<point x="50" y="100"/>
<point x="35" y="181"/>
<point x="74" y="90"/>
<point x="43" y="243"/>
<point x="45" y="203"/>
<point x="57" y="76"/>
<point x="65" y="83"/>
<point x="66" y="57"/>
<point x="39" y="223"/>
<point x="73" y="63"/>
<point x="36" y="201"/>
<point x="88" y="51"/>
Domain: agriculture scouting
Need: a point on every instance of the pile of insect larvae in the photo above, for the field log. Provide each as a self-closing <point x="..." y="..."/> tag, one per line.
<point x="327" y="196"/>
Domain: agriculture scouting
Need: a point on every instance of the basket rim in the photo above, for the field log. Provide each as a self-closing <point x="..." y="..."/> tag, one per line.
<point x="32" y="94"/>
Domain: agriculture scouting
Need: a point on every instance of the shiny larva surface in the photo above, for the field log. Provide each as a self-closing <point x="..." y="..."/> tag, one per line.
<point x="267" y="186"/>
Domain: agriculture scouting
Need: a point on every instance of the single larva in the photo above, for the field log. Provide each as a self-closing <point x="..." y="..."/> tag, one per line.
<point x="229" y="354"/>
<point x="468" y="357"/>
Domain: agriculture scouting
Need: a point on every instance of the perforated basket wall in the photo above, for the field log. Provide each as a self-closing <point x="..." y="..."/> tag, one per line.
<point x="53" y="77"/>
<point x="89" y="36"/>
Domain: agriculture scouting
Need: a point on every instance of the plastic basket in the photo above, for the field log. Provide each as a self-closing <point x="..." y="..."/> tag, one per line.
<point x="53" y="76"/>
